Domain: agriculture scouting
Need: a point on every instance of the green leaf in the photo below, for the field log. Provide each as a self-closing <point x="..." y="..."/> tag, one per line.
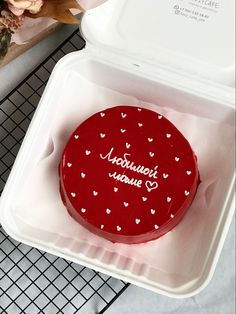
<point x="5" y="40"/>
<point x="2" y="5"/>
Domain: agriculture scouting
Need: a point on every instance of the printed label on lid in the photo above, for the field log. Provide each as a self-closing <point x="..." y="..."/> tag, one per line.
<point x="196" y="10"/>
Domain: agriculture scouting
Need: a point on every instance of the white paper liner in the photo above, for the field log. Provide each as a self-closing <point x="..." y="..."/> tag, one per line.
<point x="180" y="251"/>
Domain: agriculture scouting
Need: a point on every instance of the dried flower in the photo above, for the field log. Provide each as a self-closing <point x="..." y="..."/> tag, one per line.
<point x="13" y="13"/>
<point x="58" y="10"/>
<point x="11" y="21"/>
<point x="18" y="7"/>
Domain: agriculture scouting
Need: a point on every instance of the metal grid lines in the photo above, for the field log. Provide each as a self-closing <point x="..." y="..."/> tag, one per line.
<point x="32" y="281"/>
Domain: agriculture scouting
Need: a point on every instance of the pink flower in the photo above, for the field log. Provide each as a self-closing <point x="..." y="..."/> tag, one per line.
<point x="18" y="7"/>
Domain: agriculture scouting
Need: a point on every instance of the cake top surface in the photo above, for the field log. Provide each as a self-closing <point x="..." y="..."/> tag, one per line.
<point x="128" y="170"/>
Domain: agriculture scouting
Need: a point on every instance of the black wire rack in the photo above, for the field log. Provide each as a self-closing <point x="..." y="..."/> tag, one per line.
<point x="32" y="281"/>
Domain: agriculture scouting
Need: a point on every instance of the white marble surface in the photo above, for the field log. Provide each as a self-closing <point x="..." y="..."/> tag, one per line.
<point x="217" y="298"/>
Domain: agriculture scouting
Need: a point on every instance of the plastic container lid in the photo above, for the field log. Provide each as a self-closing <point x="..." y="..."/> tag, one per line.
<point x="193" y="36"/>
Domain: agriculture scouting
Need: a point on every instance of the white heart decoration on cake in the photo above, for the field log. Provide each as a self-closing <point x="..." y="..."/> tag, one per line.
<point x="124" y="115"/>
<point x="172" y="216"/>
<point x="69" y="165"/>
<point x="165" y="175"/>
<point x="95" y="193"/>
<point x="177" y="159"/>
<point x="168" y="199"/>
<point x="153" y="211"/>
<point x="115" y="189"/>
<point x="168" y="135"/>
<point x="76" y="137"/>
<point x="188" y="172"/>
<point x="123" y="130"/>
<point x="151" y="154"/>
<point x="140" y="125"/>
<point x="137" y="221"/>
<point x="102" y="114"/>
<point x="87" y="152"/>
<point x="83" y="175"/>
<point x="151" y="185"/>
<point x="102" y="227"/>
<point x="150" y="139"/>
<point x="160" y="117"/>
<point x="126" y="204"/>
<point x="144" y="199"/>
<point x="83" y="210"/>
<point x="139" y="109"/>
<point x="73" y="194"/>
<point x="128" y="145"/>
<point x="186" y="193"/>
<point x="118" y="228"/>
<point x="108" y="211"/>
<point x="156" y="227"/>
<point x="102" y="135"/>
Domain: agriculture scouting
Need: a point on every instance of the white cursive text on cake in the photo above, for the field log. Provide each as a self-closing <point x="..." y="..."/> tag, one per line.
<point x="127" y="164"/>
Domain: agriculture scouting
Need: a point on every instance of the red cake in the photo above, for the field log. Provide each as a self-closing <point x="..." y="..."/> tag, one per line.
<point x="127" y="174"/>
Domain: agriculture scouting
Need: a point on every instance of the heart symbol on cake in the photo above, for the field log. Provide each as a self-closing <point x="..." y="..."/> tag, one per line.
<point x="151" y="185"/>
<point x="102" y="135"/>
<point x="124" y="115"/>
<point x="118" y="228"/>
<point x="169" y="199"/>
<point x="108" y="211"/>
<point x="87" y="152"/>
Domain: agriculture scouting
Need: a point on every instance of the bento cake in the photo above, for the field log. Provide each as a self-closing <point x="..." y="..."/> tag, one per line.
<point x="127" y="174"/>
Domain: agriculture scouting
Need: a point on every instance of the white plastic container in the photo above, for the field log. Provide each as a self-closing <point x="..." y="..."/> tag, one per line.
<point x="116" y="68"/>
